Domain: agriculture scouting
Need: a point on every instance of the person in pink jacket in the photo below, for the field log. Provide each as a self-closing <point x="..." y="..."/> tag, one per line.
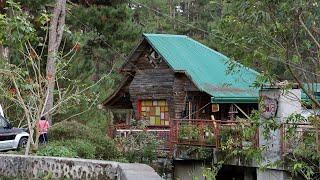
<point x="43" y="127"/>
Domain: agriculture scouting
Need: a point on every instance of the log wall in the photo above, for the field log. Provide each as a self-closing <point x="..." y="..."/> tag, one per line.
<point x="152" y="84"/>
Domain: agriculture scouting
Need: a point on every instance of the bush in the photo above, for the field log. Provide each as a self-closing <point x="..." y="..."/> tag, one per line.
<point x="139" y="147"/>
<point x="58" y="151"/>
<point x="78" y="147"/>
<point x="189" y="132"/>
<point x="83" y="148"/>
<point x="70" y="130"/>
<point x="84" y="140"/>
<point x="105" y="148"/>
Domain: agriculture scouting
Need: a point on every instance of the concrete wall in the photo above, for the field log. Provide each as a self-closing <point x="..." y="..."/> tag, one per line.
<point x="278" y="104"/>
<point x="35" y="167"/>
<point x="272" y="174"/>
<point x="189" y="170"/>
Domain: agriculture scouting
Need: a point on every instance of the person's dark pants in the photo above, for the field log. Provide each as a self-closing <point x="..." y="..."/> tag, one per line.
<point x="43" y="138"/>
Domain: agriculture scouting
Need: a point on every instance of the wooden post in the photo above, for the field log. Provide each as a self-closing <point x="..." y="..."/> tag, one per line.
<point x="190" y="109"/>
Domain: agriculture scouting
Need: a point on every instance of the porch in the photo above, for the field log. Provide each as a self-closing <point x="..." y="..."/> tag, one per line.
<point x="214" y="134"/>
<point x="203" y="133"/>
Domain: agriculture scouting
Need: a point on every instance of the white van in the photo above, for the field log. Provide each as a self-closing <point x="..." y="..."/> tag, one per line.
<point x="10" y="137"/>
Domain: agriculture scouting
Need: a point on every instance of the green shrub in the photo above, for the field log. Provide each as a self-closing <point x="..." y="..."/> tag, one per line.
<point x="84" y="148"/>
<point x="92" y="141"/>
<point x="58" y="151"/>
<point x="69" y="130"/>
<point x="139" y="147"/>
<point x="105" y="148"/>
<point x="189" y="132"/>
<point x="81" y="148"/>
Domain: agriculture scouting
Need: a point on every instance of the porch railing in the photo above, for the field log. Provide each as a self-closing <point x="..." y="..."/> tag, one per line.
<point x="299" y="135"/>
<point x="162" y="134"/>
<point x="216" y="133"/>
<point x="211" y="133"/>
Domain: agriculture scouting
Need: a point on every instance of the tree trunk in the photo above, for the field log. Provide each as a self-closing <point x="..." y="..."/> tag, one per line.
<point x="55" y="35"/>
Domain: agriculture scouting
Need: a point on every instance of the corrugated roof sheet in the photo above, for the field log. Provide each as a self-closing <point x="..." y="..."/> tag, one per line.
<point x="314" y="88"/>
<point x="207" y="68"/>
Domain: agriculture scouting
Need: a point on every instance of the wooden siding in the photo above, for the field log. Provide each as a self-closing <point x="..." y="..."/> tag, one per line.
<point x="139" y="59"/>
<point x="158" y="82"/>
<point x="182" y="85"/>
<point x="152" y="84"/>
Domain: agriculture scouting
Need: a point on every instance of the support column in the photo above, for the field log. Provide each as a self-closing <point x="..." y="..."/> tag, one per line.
<point x="277" y="104"/>
<point x="248" y="174"/>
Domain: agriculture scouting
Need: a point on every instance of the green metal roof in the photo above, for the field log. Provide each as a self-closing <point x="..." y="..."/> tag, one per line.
<point x="206" y="68"/>
<point x="314" y="88"/>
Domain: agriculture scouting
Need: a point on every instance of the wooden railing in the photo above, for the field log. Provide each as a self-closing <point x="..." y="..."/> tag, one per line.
<point x="211" y="133"/>
<point x="299" y="135"/>
<point x="162" y="133"/>
<point x="216" y="133"/>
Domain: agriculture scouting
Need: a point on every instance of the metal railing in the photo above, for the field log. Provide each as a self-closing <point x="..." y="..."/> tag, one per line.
<point x="211" y="133"/>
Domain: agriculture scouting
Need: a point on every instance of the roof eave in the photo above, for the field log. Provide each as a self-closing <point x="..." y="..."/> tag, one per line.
<point x="234" y="100"/>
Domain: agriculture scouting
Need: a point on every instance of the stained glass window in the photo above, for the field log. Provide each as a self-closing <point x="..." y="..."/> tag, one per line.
<point x="156" y="111"/>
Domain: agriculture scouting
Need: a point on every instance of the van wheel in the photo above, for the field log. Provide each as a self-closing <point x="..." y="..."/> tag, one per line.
<point x="23" y="143"/>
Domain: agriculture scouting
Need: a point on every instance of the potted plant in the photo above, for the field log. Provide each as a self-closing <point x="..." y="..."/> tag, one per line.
<point x="188" y="132"/>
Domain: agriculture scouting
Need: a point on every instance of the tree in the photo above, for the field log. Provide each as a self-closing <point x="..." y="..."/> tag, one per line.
<point x="279" y="38"/>
<point x="24" y="83"/>
<point x="55" y="35"/>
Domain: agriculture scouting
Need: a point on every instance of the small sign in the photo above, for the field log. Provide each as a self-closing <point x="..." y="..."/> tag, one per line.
<point x="215" y="107"/>
<point x="269" y="107"/>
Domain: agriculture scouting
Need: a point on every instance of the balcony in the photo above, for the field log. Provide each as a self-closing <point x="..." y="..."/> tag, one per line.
<point x="215" y="134"/>
<point x="211" y="133"/>
<point x="192" y="132"/>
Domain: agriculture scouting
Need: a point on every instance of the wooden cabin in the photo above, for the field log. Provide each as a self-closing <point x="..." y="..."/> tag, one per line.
<point x="175" y="77"/>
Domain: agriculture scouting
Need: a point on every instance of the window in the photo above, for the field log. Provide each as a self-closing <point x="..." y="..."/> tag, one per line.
<point x="3" y="122"/>
<point x="155" y="111"/>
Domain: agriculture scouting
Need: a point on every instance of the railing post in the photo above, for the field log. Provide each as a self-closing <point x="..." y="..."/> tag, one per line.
<point x="173" y="135"/>
<point x="202" y="133"/>
<point x="282" y="133"/>
<point x="317" y="139"/>
<point x="217" y="134"/>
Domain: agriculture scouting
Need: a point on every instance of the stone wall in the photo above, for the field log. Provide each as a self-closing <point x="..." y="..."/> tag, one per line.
<point x="35" y="167"/>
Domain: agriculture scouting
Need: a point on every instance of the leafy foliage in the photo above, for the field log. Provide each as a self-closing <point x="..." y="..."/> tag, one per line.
<point x="138" y="147"/>
<point x="75" y="148"/>
<point x="57" y="151"/>
<point x="87" y="142"/>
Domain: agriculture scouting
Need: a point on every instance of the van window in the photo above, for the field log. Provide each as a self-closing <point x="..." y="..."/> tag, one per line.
<point x="3" y="122"/>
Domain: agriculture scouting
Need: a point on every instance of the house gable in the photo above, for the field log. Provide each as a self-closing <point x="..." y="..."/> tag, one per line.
<point x="145" y="67"/>
<point x="206" y="68"/>
<point x="180" y="71"/>
<point x="144" y="57"/>
<point x="148" y="76"/>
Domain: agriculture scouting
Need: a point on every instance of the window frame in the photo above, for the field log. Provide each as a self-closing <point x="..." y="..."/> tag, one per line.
<point x="165" y="122"/>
